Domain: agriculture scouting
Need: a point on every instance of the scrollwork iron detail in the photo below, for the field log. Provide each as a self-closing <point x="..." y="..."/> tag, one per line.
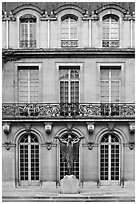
<point x="67" y="110"/>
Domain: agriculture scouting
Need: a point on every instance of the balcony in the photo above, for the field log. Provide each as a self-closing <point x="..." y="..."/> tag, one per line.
<point x="28" y="43"/>
<point x="13" y="111"/>
<point x="110" y="43"/>
<point x="69" y="43"/>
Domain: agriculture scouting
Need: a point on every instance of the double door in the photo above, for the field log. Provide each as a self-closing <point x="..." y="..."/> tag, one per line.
<point x="29" y="160"/>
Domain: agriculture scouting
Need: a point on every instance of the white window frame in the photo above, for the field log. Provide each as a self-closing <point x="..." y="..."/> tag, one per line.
<point x="27" y="65"/>
<point x="69" y="28"/>
<point x="71" y="65"/>
<point x="114" y="64"/>
<point x="110" y="25"/>
<point x="109" y="143"/>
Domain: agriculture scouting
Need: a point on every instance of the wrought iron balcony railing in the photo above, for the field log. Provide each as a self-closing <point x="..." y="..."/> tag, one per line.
<point x="67" y="110"/>
<point x="28" y="43"/>
<point x="110" y="43"/>
<point x="69" y="43"/>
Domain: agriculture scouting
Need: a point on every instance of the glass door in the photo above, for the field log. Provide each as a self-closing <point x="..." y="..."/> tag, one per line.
<point x="110" y="158"/>
<point x="29" y="160"/>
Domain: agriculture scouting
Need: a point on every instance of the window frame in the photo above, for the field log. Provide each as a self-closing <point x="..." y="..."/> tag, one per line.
<point x="110" y="80"/>
<point x="98" y="84"/>
<point x="110" y="16"/>
<point x="27" y="64"/>
<point x="27" y="21"/>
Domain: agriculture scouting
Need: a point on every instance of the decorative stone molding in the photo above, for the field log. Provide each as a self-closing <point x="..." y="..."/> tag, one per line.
<point x="131" y="145"/>
<point x="90" y="145"/>
<point x="68" y="6"/>
<point x="133" y="16"/>
<point x="110" y="127"/>
<point x="132" y="127"/>
<point x="127" y="16"/>
<point x="28" y="127"/>
<point x="44" y="16"/>
<point x="12" y="17"/>
<point x="69" y="127"/>
<point x="27" y="6"/>
<point x="94" y="16"/>
<point x="49" y="145"/>
<point x="7" y="145"/>
<point x="90" y="127"/>
<point x="9" y="55"/>
<point x="48" y="127"/>
<point x="6" y="128"/>
<point x="111" y="6"/>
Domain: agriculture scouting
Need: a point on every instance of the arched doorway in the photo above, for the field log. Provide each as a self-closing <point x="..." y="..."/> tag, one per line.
<point x="110" y="154"/>
<point x="29" y="159"/>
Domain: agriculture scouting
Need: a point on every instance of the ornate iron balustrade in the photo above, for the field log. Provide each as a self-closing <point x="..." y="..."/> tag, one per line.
<point x="69" y="43"/>
<point x="110" y="43"/>
<point x="67" y="110"/>
<point x="28" y="43"/>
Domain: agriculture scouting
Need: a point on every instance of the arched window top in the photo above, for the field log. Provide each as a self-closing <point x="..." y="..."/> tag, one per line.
<point x="28" y="18"/>
<point x="114" y="18"/>
<point x="114" y="138"/>
<point x="25" y="138"/>
<point x="71" y="16"/>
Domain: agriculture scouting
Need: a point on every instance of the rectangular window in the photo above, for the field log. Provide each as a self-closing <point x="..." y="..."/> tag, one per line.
<point x="69" y="84"/>
<point x="110" y="78"/>
<point x="28" y="84"/>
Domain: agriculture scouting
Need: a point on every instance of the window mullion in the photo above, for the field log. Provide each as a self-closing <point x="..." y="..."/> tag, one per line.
<point x="110" y="86"/>
<point x="29" y="158"/>
<point x="109" y="28"/>
<point x="28" y="34"/>
<point x="109" y="158"/>
<point x="69" y="27"/>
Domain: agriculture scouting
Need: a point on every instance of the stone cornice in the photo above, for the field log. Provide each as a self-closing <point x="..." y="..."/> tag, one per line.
<point x="17" y="54"/>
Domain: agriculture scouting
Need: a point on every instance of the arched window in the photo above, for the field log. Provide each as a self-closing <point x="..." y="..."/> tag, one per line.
<point x="28" y="31"/>
<point x="110" y="158"/>
<point x="110" y="31"/>
<point x="28" y="159"/>
<point x="69" y="31"/>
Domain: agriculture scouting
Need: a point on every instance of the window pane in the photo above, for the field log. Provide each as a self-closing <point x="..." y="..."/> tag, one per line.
<point x="24" y="31"/>
<point x="104" y="91"/>
<point x="65" y="30"/>
<point x="64" y="73"/>
<point x="32" y="31"/>
<point x="28" y="84"/>
<point x="115" y="91"/>
<point x="74" y="92"/>
<point x="64" y="92"/>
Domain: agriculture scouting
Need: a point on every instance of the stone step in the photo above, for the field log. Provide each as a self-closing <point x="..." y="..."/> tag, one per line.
<point x="70" y="199"/>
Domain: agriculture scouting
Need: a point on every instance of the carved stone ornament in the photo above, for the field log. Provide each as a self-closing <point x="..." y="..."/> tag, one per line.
<point x="90" y="145"/>
<point x="48" y="128"/>
<point x="8" y="145"/>
<point x="90" y="127"/>
<point x="110" y="127"/>
<point x="131" y="145"/>
<point x="132" y="128"/>
<point x="28" y="127"/>
<point x="6" y="128"/>
<point x="49" y="145"/>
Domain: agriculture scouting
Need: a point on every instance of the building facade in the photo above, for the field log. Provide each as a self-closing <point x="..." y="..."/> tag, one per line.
<point x="68" y="69"/>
